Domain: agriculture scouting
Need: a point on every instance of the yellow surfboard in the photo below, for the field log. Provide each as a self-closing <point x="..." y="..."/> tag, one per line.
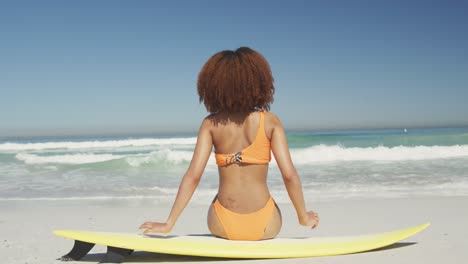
<point x="121" y="244"/>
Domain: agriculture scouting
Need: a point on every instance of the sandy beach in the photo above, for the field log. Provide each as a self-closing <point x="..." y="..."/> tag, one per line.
<point x="26" y="228"/>
<point x="106" y="106"/>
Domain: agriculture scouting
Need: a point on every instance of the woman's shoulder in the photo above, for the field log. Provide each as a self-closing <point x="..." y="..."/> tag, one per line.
<point x="272" y="122"/>
<point x="211" y="121"/>
<point x="208" y="120"/>
<point x="271" y="118"/>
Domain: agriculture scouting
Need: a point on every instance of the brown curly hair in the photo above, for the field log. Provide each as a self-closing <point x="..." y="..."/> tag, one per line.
<point x="236" y="81"/>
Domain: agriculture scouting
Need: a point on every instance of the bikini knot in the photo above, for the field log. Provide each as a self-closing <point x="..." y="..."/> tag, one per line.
<point x="234" y="158"/>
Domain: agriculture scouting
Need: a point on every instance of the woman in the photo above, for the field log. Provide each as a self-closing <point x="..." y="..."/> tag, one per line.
<point x="237" y="89"/>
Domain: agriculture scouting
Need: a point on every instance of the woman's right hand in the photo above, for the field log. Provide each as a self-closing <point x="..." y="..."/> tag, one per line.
<point x="155" y="227"/>
<point x="312" y="219"/>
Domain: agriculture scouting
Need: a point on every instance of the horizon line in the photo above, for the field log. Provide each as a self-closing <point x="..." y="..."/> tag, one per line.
<point x="180" y="133"/>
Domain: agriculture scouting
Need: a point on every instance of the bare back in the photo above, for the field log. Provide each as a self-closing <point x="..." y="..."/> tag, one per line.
<point x="242" y="187"/>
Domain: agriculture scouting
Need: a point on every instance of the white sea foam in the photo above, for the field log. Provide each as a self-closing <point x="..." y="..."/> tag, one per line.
<point x="66" y="159"/>
<point x="327" y="153"/>
<point x="165" y="156"/>
<point x="163" y="190"/>
<point x="310" y="155"/>
<point x="161" y="156"/>
<point x="73" y="198"/>
<point x="339" y="192"/>
<point x="8" y="146"/>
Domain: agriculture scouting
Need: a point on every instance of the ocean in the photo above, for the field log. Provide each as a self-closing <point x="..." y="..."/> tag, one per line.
<point x="333" y="165"/>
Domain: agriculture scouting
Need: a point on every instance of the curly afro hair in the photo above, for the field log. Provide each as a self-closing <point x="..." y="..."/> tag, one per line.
<point x="236" y="81"/>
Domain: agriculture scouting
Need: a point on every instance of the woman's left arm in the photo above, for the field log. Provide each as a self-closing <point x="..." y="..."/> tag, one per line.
<point x="189" y="182"/>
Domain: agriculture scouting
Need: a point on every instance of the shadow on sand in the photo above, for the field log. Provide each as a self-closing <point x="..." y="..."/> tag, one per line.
<point x="142" y="257"/>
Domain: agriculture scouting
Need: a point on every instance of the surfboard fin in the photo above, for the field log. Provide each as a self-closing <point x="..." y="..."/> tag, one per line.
<point x="115" y="255"/>
<point x="79" y="250"/>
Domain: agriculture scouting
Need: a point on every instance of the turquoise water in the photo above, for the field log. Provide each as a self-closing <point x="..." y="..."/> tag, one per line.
<point x="331" y="164"/>
<point x="387" y="137"/>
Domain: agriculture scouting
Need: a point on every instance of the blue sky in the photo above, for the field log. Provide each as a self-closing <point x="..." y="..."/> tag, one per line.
<point x="110" y="67"/>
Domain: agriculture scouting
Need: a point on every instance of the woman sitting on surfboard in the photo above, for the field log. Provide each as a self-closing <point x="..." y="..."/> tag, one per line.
<point x="237" y="89"/>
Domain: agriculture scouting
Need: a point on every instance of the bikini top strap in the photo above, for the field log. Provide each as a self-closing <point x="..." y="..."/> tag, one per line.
<point x="261" y="128"/>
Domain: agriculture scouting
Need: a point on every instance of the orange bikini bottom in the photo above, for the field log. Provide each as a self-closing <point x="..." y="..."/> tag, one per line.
<point x="249" y="226"/>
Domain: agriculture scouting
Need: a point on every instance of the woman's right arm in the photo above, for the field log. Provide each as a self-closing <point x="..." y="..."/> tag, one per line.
<point x="279" y="146"/>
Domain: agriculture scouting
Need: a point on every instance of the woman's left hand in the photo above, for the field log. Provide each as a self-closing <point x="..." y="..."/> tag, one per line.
<point x="155" y="227"/>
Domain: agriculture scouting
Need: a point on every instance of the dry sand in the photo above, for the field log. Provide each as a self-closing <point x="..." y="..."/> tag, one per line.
<point x="26" y="228"/>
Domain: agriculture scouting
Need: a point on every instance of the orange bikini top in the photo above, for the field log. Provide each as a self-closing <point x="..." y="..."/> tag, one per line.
<point x="256" y="153"/>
